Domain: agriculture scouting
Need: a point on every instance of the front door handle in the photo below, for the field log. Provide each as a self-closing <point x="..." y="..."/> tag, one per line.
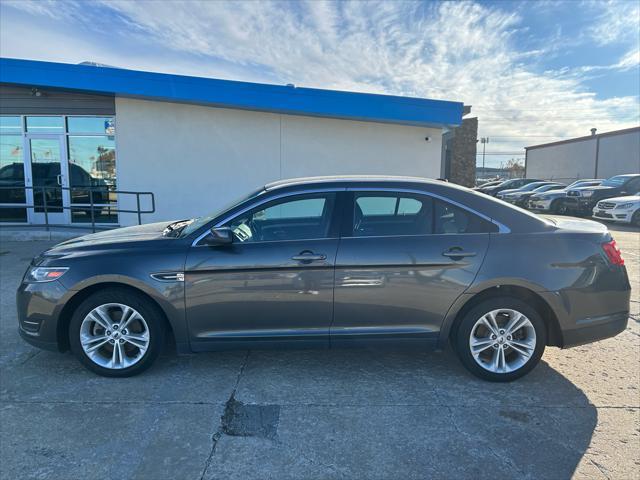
<point x="308" y="256"/>
<point x="59" y="179"/>
<point x="458" y="253"/>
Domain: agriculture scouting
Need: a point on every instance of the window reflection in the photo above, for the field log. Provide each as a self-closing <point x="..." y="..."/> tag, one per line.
<point x="45" y="125"/>
<point x="12" y="174"/>
<point x="92" y="163"/>
<point x="101" y="125"/>
<point x="10" y="124"/>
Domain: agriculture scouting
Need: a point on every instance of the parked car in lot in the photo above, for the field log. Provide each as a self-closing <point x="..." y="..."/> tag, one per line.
<point x="517" y="191"/>
<point x="582" y="200"/>
<point x="329" y="262"/>
<point x="522" y="199"/>
<point x="488" y="184"/>
<point x="619" y="209"/>
<point x="514" y="183"/>
<point x="553" y="201"/>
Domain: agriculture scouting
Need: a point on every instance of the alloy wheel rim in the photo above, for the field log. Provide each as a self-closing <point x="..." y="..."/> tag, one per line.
<point x="502" y="340"/>
<point x="114" y="336"/>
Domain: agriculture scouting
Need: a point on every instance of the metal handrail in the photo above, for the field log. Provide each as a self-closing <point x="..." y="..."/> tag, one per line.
<point x="79" y="206"/>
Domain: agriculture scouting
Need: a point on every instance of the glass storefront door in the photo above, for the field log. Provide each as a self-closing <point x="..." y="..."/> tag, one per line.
<point x="65" y="161"/>
<point x="47" y="174"/>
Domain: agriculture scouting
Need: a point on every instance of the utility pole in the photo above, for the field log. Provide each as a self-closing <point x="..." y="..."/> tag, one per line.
<point x="484" y="141"/>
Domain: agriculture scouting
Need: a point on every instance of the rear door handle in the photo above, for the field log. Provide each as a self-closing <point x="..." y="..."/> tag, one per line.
<point x="308" y="256"/>
<point x="458" y="254"/>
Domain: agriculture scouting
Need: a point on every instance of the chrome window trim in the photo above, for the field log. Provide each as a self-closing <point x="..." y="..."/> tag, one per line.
<point x="260" y="201"/>
<point x="263" y="201"/>
<point x="501" y="227"/>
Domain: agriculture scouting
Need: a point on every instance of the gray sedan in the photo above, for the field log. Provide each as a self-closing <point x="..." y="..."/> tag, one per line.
<point x="328" y="262"/>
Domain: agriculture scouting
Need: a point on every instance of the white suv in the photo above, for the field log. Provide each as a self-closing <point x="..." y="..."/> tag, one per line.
<point x="619" y="209"/>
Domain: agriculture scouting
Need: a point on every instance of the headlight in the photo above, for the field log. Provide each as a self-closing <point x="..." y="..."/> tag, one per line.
<point x="44" y="274"/>
<point x="624" y="206"/>
<point x="586" y="193"/>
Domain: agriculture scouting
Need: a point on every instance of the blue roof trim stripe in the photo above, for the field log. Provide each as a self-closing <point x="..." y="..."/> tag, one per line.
<point x="232" y="94"/>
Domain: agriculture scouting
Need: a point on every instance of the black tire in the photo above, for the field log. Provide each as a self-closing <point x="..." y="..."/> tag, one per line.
<point x="558" y="207"/>
<point x="152" y="315"/>
<point x="463" y="333"/>
<point x="635" y="219"/>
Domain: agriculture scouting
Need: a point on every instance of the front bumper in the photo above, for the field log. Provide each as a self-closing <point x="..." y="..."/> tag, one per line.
<point x="613" y="215"/>
<point x="39" y="306"/>
<point x="539" y="205"/>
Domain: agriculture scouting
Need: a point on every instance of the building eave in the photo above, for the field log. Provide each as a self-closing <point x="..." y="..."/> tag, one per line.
<point x="232" y="94"/>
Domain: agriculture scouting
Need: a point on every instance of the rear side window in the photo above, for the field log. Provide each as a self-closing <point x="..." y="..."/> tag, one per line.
<point x="450" y="219"/>
<point x="384" y="214"/>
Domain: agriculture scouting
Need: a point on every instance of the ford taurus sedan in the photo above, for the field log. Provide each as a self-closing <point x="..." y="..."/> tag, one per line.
<point x="329" y="262"/>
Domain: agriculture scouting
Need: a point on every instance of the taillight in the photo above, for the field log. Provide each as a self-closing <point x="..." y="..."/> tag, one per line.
<point x="613" y="253"/>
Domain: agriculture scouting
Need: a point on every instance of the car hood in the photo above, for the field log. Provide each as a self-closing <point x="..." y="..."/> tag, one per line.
<point x="138" y="233"/>
<point x="509" y="191"/>
<point x="628" y="198"/>
<point x="548" y="195"/>
<point x="597" y="187"/>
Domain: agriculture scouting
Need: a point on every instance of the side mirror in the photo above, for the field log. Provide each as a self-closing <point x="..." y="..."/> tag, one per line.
<point x="220" y="236"/>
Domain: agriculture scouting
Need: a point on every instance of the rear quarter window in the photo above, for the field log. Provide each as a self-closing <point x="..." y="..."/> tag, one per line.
<point x="451" y="219"/>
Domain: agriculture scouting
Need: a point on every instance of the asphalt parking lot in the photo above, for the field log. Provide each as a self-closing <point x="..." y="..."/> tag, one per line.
<point x="318" y="414"/>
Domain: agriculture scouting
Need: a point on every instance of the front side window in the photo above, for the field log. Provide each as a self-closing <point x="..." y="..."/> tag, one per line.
<point x="292" y="218"/>
<point x="633" y="185"/>
<point x="614" y="181"/>
<point x="397" y="214"/>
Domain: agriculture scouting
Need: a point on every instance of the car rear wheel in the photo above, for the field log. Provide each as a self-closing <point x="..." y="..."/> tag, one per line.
<point x="116" y="333"/>
<point x="501" y="339"/>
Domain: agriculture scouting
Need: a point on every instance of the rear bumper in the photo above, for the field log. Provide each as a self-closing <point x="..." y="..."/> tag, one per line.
<point x="596" y="328"/>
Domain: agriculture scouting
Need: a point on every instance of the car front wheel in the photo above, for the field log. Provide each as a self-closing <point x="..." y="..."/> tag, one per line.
<point x="501" y="339"/>
<point x="116" y="333"/>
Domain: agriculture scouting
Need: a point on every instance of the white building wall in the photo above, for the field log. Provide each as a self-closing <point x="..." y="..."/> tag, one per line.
<point x="564" y="162"/>
<point x="619" y="154"/>
<point x="196" y="158"/>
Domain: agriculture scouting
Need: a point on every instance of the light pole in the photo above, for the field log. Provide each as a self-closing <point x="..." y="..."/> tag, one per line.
<point x="484" y="141"/>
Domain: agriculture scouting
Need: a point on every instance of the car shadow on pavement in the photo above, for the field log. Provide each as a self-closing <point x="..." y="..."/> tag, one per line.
<point x="375" y="413"/>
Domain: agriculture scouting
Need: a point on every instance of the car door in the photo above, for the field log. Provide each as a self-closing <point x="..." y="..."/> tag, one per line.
<point x="403" y="259"/>
<point x="273" y="283"/>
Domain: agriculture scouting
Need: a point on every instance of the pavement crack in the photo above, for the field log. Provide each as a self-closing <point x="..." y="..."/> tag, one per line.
<point x="217" y="435"/>
<point x="600" y="468"/>
<point x="31" y="355"/>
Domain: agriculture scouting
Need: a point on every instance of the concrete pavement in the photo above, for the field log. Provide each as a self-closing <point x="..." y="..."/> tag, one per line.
<point x="318" y="414"/>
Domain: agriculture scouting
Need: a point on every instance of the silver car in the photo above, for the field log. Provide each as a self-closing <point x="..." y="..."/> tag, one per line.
<point x="327" y="262"/>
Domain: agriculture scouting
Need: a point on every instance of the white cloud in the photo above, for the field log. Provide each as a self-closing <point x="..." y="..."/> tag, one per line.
<point x="619" y="20"/>
<point x="455" y="51"/>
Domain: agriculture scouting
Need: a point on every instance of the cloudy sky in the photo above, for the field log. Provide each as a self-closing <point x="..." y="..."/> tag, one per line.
<point x="533" y="71"/>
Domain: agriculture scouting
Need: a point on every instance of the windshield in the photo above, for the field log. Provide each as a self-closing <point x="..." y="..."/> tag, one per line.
<point x="196" y="223"/>
<point x="615" y="181"/>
